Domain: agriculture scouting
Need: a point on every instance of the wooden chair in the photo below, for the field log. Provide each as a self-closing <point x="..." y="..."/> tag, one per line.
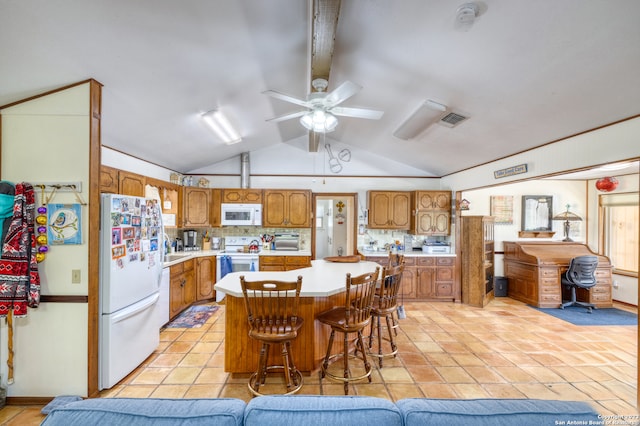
<point x="353" y="317"/>
<point x="395" y="259"/>
<point x="385" y="304"/>
<point x="272" y="311"/>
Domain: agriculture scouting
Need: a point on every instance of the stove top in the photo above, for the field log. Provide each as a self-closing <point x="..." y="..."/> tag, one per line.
<point x="235" y="245"/>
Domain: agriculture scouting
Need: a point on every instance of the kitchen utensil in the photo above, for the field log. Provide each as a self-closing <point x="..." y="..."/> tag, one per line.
<point x="334" y="164"/>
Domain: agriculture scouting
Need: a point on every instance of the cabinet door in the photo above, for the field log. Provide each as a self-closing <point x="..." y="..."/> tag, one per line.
<point x="108" y="179"/>
<point x="408" y="286"/>
<point x="131" y="184"/>
<point x="297" y="262"/>
<point x="215" y="214"/>
<point x="299" y="209"/>
<point x="274" y="213"/>
<point x="241" y="195"/>
<point x="424" y="222"/>
<point x="272" y="263"/>
<point x="205" y="277"/>
<point x="189" y="289"/>
<point x="379" y="209"/>
<point x="171" y="204"/>
<point x="441" y="223"/>
<point x="401" y="210"/>
<point x="176" y="285"/>
<point x="424" y="283"/>
<point x="196" y="206"/>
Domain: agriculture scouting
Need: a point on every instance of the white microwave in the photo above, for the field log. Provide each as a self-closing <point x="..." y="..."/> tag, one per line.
<point x="241" y="214"/>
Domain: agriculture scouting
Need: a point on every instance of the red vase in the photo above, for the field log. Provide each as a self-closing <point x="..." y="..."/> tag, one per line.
<point x="606" y="184"/>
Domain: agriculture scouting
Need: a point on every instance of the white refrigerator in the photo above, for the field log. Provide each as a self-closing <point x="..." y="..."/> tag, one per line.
<point x="132" y="251"/>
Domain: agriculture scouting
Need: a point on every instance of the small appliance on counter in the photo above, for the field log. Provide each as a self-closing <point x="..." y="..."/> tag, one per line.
<point x="287" y="241"/>
<point x="190" y="238"/>
<point x="436" y="247"/>
<point x="179" y="244"/>
<point x="215" y="243"/>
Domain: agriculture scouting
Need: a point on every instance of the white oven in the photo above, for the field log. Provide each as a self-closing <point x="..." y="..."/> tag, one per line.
<point x="241" y="214"/>
<point x="234" y="259"/>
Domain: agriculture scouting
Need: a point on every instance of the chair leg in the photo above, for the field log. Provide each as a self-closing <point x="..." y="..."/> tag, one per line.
<point x="346" y="363"/>
<point x="325" y="363"/>
<point x="394" y="347"/>
<point x="367" y="366"/>
<point x="379" y="340"/>
<point x="286" y="365"/>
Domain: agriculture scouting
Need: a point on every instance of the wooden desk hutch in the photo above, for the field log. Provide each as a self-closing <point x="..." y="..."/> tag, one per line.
<point x="534" y="270"/>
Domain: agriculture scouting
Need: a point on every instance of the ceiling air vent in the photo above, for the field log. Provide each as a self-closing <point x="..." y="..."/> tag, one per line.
<point x="451" y="119"/>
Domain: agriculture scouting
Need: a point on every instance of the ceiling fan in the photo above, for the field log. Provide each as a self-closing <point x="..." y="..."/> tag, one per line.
<point x="322" y="107"/>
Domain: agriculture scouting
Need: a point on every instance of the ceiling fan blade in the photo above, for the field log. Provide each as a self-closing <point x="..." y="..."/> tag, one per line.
<point x="370" y="114"/>
<point x="342" y="93"/>
<point x="286" y="98"/>
<point x="287" y="116"/>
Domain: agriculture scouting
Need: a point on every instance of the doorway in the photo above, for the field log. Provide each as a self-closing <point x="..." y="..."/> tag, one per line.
<point x="334" y="230"/>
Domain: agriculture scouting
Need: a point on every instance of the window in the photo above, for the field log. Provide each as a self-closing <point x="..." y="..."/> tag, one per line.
<point x="620" y="219"/>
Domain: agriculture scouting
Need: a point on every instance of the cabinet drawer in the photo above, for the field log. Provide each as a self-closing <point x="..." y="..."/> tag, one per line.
<point x="549" y="289"/>
<point x="188" y="265"/>
<point x="445" y="261"/>
<point x="548" y="272"/>
<point x="600" y="289"/>
<point x="544" y="297"/>
<point x="426" y="261"/>
<point x="601" y="297"/>
<point x="297" y="260"/>
<point x="444" y="274"/>
<point x="272" y="260"/>
<point x="549" y="282"/>
<point x="409" y="261"/>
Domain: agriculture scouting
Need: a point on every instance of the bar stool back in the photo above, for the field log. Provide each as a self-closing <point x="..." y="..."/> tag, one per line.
<point x="385" y="304"/>
<point x="272" y="311"/>
<point x="353" y="317"/>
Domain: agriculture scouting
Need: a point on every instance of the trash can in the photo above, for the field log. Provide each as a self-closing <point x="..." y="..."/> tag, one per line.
<point x="500" y="285"/>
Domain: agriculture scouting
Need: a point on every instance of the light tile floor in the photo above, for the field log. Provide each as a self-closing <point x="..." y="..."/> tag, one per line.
<point x="447" y="350"/>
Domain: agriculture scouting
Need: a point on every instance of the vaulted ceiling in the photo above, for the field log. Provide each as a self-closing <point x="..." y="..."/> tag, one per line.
<point x="525" y="73"/>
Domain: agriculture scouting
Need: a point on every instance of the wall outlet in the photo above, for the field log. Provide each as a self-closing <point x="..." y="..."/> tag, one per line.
<point x="75" y="276"/>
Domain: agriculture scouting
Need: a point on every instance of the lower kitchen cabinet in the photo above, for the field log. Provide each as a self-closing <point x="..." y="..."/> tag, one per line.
<point x="284" y="263"/>
<point x="182" y="287"/>
<point x="429" y="278"/>
<point x="205" y="278"/>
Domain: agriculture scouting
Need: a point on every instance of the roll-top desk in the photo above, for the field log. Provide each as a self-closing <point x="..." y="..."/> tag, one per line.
<point x="534" y="269"/>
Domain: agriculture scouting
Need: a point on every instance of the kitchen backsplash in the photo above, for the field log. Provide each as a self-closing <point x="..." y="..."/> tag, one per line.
<point x="225" y="231"/>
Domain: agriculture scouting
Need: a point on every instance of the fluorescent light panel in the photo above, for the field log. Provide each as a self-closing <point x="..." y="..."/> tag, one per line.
<point x="424" y="116"/>
<point x="221" y="127"/>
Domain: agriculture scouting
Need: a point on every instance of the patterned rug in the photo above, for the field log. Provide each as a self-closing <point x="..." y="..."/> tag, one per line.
<point x="193" y="317"/>
<point x="579" y="316"/>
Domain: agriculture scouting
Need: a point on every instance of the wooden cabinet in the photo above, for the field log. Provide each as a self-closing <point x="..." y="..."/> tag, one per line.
<point x="431" y="213"/>
<point x="287" y="208"/>
<point x="170" y="198"/>
<point x="242" y="195"/>
<point x="109" y="180"/>
<point x="205" y="278"/>
<point x="130" y="184"/>
<point x="215" y="212"/>
<point x="389" y="209"/>
<point x="435" y="279"/>
<point x="284" y="263"/>
<point x="182" y="287"/>
<point x="477" y="260"/>
<point x="195" y="206"/>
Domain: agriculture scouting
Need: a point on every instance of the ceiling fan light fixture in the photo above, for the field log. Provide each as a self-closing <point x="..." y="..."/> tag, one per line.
<point x="319" y="121"/>
<point x="221" y="126"/>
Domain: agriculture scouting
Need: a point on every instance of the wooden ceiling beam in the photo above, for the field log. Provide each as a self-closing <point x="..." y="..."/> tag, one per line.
<point x="323" y="32"/>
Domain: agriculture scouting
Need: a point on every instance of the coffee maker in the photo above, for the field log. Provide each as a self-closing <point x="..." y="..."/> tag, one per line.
<point x="189" y="237"/>
<point x="215" y="243"/>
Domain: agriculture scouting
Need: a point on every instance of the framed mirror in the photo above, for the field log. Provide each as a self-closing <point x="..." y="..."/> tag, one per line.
<point x="537" y="211"/>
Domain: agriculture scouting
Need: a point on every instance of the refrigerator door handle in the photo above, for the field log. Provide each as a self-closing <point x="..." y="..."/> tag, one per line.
<point x="126" y="313"/>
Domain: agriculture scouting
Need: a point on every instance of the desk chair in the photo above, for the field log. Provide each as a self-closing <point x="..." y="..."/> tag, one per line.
<point x="385" y="305"/>
<point x="272" y="310"/>
<point x="353" y="317"/>
<point x="581" y="273"/>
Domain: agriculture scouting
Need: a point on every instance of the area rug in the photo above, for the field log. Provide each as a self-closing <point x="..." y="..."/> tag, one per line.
<point x="193" y="317"/>
<point x="578" y="315"/>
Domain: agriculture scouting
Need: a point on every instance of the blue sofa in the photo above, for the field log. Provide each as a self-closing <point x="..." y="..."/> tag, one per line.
<point x="320" y="410"/>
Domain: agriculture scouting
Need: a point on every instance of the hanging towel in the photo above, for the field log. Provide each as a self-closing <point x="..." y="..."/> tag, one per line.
<point x="225" y="266"/>
<point x="19" y="278"/>
<point x="7" y="195"/>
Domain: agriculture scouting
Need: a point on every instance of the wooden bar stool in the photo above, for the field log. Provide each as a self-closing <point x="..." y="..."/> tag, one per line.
<point x="353" y="317"/>
<point x="385" y="304"/>
<point x="272" y="310"/>
<point x="395" y="260"/>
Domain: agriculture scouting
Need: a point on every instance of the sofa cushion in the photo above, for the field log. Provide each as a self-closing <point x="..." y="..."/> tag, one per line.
<point x="321" y="410"/>
<point x="494" y="412"/>
<point x="147" y="411"/>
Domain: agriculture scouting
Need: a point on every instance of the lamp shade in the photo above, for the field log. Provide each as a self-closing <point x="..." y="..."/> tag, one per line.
<point x="319" y="121"/>
<point x="606" y="184"/>
<point x="567" y="216"/>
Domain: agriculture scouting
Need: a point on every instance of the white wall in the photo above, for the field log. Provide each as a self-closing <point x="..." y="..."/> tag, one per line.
<point x="47" y="140"/>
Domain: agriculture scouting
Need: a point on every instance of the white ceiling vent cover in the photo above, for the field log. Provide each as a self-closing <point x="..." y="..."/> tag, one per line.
<point x="451" y="119"/>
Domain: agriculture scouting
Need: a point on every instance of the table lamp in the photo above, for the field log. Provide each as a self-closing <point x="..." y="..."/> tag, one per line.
<point x="567" y="216"/>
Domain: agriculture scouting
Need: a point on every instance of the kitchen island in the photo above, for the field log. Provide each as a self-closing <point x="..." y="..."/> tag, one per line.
<point x="323" y="287"/>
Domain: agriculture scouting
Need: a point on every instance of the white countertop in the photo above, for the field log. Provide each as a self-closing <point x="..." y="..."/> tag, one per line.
<point x="320" y="280"/>
<point x="181" y="256"/>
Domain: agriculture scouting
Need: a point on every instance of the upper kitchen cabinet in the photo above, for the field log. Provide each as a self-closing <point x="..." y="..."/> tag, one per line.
<point x="170" y="201"/>
<point x="131" y="184"/>
<point x="108" y="180"/>
<point x="242" y="195"/>
<point x="287" y="208"/>
<point x="195" y="201"/>
<point x="389" y="209"/>
<point x="215" y="214"/>
<point x="431" y="213"/>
